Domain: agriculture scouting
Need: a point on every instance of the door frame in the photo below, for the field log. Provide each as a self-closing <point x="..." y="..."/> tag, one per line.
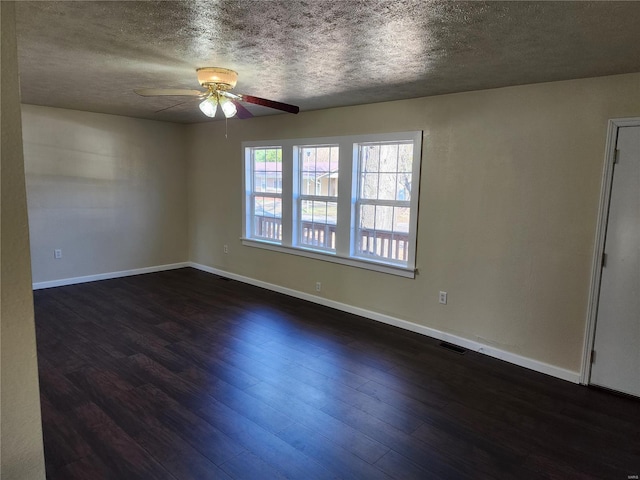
<point x="601" y="231"/>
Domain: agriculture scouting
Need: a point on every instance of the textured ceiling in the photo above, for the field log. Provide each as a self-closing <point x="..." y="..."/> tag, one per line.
<point x="315" y="53"/>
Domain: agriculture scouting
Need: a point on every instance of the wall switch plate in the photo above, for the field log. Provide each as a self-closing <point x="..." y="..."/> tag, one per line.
<point x="226" y="249"/>
<point x="442" y="298"/>
<point x="318" y="286"/>
<point x="57" y="254"/>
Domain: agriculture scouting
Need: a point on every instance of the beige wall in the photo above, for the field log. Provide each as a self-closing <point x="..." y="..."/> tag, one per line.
<point x="109" y="191"/>
<point x="509" y="198"/>
<point x="21" y="453"/>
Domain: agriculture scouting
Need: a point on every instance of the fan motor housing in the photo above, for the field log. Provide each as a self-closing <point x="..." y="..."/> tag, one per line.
<point x="220" y="78"/>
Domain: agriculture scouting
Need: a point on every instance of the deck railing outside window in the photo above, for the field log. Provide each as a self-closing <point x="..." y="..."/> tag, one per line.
<point x="379" y="243"/>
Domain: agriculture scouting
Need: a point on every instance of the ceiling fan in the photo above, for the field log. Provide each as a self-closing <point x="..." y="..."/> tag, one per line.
<point x="218" y="83"/>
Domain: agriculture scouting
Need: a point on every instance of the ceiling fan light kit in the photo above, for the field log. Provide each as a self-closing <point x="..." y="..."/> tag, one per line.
<point x="218" y="81"/>
<point x="217" y="78"/>
<point x="209" y="107"/>
<point x="228" y="107"/>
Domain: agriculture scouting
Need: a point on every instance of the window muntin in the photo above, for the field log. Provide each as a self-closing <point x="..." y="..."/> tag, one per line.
<point x="383" y="200"/>
<point x="266" y="193"/>
<point x="369" y="220"/>
<point x="317" y="206"/>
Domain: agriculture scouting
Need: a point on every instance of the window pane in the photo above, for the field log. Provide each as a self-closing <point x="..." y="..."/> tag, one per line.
<point x="268" y="207"/>
<point x="404" y="187"/>
<point x="384" y="232"/>
<point x="388" y="158"/>
<point x="384" y="218"/>
<point x="335" y="155"/>
<point x="260" y="181"/>
<point x="308" y="159"/>
<point x="367" y="216"/>
<point x="369" y="186"/>
<point x="370" y="157"/>
<point x="277" y="183"/>
<point x="332" y="213"/>
<point x="306" y="210"/>
<point x="319" y="171"/>
<point x="267" y="170"/>
<point x="387" y="186"/>
<point x="308" y="185"/>
<point x="318" y="224"/>
<point x="332" y="185"/>
<point x="405" y="157"/>
<point x="366" y="233"/>
<point x="266" y="219"/>
<point x="401" y="217"/>
<point x="320" y="212"/>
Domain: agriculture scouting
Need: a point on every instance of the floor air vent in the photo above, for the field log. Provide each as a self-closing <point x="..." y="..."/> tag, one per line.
<point x="453" y="348"/>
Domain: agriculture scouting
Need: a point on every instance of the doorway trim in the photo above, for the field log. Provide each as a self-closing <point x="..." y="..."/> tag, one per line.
<point x="601" y="231"/>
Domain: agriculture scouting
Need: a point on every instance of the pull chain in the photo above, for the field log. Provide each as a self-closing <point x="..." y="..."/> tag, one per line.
<point x="226" y="120"/>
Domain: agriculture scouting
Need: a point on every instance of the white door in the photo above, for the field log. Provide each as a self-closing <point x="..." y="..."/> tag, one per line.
<point x="616" y="363"/>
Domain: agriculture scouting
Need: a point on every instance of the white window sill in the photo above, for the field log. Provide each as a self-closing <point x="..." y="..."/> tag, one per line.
<point x="389" y="268"/>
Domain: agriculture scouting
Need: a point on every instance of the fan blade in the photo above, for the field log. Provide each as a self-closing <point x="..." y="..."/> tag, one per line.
<point x="270" y="103"/>
<point x="173" y="92"/>
<point x="241" y="111"/>
<point x="176" y="105"/>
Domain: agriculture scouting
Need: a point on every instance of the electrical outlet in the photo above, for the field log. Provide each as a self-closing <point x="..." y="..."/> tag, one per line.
<point x="442" y="298"/>
<point x="57" y="254"/>
<point x="318" y="286"/>
<point x="226" y="249"/>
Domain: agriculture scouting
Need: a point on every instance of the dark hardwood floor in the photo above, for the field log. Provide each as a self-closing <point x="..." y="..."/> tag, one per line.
<point x="184" y="375"/>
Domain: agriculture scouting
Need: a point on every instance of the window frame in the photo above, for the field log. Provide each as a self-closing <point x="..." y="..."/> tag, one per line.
<point x="360" y="201"/>
<point x="347" y="214"/>
<point x="300" y="196"/>
<point x="252" y="193"/>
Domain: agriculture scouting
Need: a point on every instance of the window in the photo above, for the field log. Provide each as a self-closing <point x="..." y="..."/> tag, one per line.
<point x="351" y="200"/>
<point x="317" y="206"/>
<point x="266" y="193"/>
<point x="383" y="203"/>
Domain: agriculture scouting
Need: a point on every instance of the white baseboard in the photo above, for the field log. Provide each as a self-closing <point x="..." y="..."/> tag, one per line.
<point x="105" y="276"/>
<point x="473" y="345"/>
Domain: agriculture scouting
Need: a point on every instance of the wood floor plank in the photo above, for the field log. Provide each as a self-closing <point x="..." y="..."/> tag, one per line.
<point x="316" y="363"/>
<point x="419" y="401"/>
<point x="271" y="419"/>
<point x="177" y="456"/>
<point x="248" y="465"/>
<point x="121" y="401"/>
<point x="184" y="375"/>
<point x="187" y="394"/>
<point x="264" y="444"/>
<point x="59" y="390"/>
<point x="204" y="437"/>
<point x="61" y="357"/>
<point x="209" y="361"/>
<point x="340" y="433"/>
<point x="386" y="434"/>
<point x="471" y="453"/>
<point x="90" y="467"/>
<point x="398" y="466"/>
<point x="63" y="443"/>
<point x="401" y="420"/>
<point x="343" y="463"/>
<point x="115" y="448"/>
